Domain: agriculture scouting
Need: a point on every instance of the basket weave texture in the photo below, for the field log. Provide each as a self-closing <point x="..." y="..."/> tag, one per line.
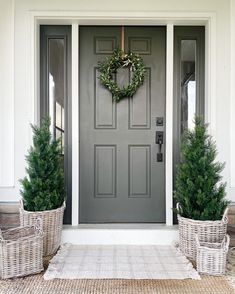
<point x="52" y="221"/>
<point x="21" y="251"/>
<point x="211" y="257"/>
<point x="207" y="231"/>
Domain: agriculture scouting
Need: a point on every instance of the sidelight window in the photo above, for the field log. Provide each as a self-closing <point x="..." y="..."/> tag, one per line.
<point x="55" y="87"/>
<point x="189" y="84"/>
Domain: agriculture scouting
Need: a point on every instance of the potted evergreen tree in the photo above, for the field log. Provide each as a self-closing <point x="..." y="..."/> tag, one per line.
<point x="202" y="207"/>
<point x="43" y="190"/>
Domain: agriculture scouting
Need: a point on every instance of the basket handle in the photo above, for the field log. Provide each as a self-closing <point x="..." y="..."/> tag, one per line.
<point x="178" y="207"/>
<point x="225" y="216"/>
<point x="21" y="204"/>
<point x="38" y="225"/>
<point x="226" y="242"/>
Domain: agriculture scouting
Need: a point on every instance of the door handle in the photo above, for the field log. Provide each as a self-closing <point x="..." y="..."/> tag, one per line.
<point x="159" y="140"/>
<point x="159" y="137"/>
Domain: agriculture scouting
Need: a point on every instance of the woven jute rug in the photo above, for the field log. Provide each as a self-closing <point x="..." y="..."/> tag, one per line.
<point x="37" y="285"/>
<point x="120" y="262"/>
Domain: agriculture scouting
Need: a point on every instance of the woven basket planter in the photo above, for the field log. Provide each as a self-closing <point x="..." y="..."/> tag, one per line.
<point x="52" y="221"/>
<point x="211" y="257"/>
<point x="21" y="251"/>
<point x="207" y="231"/>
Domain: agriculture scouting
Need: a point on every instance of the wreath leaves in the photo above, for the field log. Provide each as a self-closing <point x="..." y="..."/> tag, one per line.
<point x="120" y="59"/>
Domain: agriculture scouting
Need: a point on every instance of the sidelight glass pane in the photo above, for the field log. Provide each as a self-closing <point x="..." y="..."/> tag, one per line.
<point x="188" y="83"/>
<point x="56" y="61"/>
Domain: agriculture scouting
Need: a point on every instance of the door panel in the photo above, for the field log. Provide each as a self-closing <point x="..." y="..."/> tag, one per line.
<point x="139" y="171"/>
<point x="140" y="107"/>
<point x="105" y="171"/>
<point x="105" y="109"/>
<point x="120" y="178"/>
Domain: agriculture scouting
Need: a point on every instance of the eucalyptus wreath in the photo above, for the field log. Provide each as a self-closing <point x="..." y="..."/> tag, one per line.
<point x="120" y="59"/>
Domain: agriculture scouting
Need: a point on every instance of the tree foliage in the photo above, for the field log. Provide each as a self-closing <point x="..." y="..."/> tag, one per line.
<point x="198" y="183"/>
<point x="43" y="188"/>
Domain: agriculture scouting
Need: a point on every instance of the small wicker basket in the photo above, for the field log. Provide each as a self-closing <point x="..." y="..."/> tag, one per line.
<point x="52" y="221"/>
<point x="207" y="231"/>
<point x="21" y="251"/>
<point x="211" y="257"/>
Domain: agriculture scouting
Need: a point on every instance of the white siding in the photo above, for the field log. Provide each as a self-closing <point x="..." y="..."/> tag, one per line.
<point x="6" y="95"/>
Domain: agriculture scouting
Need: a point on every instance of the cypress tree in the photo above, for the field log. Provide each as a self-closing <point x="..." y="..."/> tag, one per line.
<point x="43" y="188"/>
<point x="198" y="188"/>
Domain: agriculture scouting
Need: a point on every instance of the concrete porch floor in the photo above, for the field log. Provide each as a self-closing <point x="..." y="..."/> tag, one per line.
<point x="132" y="234"/>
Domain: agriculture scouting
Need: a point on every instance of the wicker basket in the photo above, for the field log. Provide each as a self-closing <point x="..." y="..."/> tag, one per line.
<point x="211" y="257"/>
<point x="208" y="231"/>
<point x="21" y="251"/>
<point x="52" y="226"/>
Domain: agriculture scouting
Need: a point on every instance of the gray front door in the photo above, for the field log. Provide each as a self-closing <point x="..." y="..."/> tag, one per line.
<point x="120" y="178"/>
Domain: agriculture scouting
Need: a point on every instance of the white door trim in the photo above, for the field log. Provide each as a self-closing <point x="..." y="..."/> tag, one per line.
<point x="169" y="19"/>
<point x="169" y="123"/>
<point x="75" y="124"/>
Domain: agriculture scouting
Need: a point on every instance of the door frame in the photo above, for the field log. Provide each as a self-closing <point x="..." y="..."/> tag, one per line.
<point x="169" y="19"/>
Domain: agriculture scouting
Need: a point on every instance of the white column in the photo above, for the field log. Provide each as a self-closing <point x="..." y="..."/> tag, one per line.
<point x="210" y="75"/>
<point x="75" y="126"/>
<point x="169" y="123"/>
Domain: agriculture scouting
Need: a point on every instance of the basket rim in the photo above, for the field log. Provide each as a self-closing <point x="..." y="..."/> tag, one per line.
<point x="205" y="222"/>
<point x="201" y="245"/>
<point x="22" y="239"/>
<point x="62" y="207"/>
<point x="37" y="233"/>
<point x="208" y="249"/>
<point x="223" y="220"/>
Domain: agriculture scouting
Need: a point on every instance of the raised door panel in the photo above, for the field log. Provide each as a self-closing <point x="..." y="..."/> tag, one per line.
<point x="105" y="108"/>
<point x="105" y="171"/>
<point x="105" y="45"/>
<point x="139" y="171"/>
<point x="140" y="106"/>
<point x="140" y="45"/>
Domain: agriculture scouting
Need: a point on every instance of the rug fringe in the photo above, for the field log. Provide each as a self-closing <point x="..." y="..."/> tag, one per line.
<point x="59" y="258"/>
<point x="192" y="272"/>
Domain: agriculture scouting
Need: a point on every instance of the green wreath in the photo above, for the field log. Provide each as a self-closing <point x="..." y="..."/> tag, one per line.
<point x="120" y="59"/>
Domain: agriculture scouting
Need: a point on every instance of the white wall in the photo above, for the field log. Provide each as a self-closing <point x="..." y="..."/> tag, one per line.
<point x="24" y="106"/>
<point x="6" y="95"/>
<point x="232" y="100"/>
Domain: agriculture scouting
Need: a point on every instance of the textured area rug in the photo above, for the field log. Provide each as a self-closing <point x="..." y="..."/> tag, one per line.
<point x="37" y="285"/>
<point x="119" y="262"/>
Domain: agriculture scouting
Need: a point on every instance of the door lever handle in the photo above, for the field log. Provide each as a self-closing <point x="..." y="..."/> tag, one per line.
<point x="159" y="137"/>
<point x="159" y="141"/>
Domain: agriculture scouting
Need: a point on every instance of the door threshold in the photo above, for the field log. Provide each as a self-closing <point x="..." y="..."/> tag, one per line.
<point x="136" y="226"/>
<point x="126" y="234"/>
